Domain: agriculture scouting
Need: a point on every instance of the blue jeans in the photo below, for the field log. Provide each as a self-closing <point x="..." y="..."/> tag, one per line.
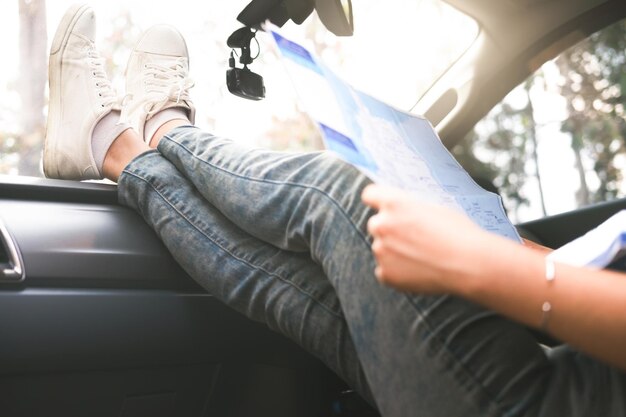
<point x="282" y="238"/>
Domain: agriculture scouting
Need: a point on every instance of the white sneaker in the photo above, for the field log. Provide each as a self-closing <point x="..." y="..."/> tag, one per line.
<point x="157" y="77"/>
<point x="80" y="96"/>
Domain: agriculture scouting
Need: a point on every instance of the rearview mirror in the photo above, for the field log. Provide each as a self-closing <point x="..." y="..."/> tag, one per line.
<point x="336" y="15"/>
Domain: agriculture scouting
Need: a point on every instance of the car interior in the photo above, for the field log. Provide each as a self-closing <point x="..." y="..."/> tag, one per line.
<point x="96" y="318"/>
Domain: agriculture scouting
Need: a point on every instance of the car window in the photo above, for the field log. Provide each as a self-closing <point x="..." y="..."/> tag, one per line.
<point x="385" y="58"/>
<point x="556" y="142"/>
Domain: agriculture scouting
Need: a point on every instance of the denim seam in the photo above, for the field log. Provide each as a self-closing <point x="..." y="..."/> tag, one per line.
<point x="265" y="181"/>
<point x="285" y="281"/>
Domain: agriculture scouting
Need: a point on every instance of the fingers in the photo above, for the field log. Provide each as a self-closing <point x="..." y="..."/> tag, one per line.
<point x="378" y="273"/>
<point x="383" y="224"/>
<point x="392" y="268"/>
<point x="377" y="196"/>
<point x="382" y="262"/>
<point x="389" y="202"/>
<point x="375" y="225"/>
<point x="371" y="196"/>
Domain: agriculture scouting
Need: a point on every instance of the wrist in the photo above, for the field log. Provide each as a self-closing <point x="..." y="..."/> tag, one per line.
<point x="492" y="259"/>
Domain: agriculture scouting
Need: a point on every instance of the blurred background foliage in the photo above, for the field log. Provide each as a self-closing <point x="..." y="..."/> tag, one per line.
<point x="592" y="81"/>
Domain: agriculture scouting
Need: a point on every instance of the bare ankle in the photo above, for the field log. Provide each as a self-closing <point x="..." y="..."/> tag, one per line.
<point x="165" y="128"/>
<point x="126" y="147"/>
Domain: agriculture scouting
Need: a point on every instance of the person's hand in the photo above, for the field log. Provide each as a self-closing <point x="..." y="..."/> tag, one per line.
<point x="423" y="247"/>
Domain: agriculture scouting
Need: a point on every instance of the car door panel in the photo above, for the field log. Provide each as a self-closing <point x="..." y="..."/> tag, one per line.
<point x="555" y="231"/>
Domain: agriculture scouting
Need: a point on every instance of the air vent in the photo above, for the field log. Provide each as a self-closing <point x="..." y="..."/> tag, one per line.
<point x="11" y="269"/>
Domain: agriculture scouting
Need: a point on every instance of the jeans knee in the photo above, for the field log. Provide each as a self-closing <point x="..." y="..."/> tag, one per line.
<point x="335" y="167"/>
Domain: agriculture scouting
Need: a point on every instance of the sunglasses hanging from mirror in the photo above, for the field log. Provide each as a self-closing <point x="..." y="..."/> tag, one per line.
<point x="336" y="15"/>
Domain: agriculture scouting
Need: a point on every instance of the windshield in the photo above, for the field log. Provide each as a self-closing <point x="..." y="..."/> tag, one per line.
<point x="398" y="49"/>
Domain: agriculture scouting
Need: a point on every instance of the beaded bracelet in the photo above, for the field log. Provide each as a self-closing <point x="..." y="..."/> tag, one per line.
<point x="546" y="308"/>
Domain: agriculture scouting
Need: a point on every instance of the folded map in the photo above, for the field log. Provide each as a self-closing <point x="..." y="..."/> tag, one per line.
<point x="390" y="146"/>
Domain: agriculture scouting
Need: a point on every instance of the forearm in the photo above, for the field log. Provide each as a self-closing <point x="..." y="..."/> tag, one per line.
<point x="425" y="248"/>
<point x="536" y="246"/>
<point x="588" y="306"/>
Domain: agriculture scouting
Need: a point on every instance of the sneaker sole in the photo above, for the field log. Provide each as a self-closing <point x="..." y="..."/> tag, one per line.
<point x="50" y="167"/>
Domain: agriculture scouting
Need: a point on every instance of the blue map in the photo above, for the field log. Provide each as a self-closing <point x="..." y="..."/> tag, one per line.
<point x="391" y="146"/>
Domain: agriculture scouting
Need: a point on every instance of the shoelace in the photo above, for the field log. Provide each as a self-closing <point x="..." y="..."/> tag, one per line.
<point x="105" y="89"/>
<point x="163" y="84"/>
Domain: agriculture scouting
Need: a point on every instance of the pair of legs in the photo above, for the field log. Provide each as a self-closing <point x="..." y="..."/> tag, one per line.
<point x="282" y="238"/>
